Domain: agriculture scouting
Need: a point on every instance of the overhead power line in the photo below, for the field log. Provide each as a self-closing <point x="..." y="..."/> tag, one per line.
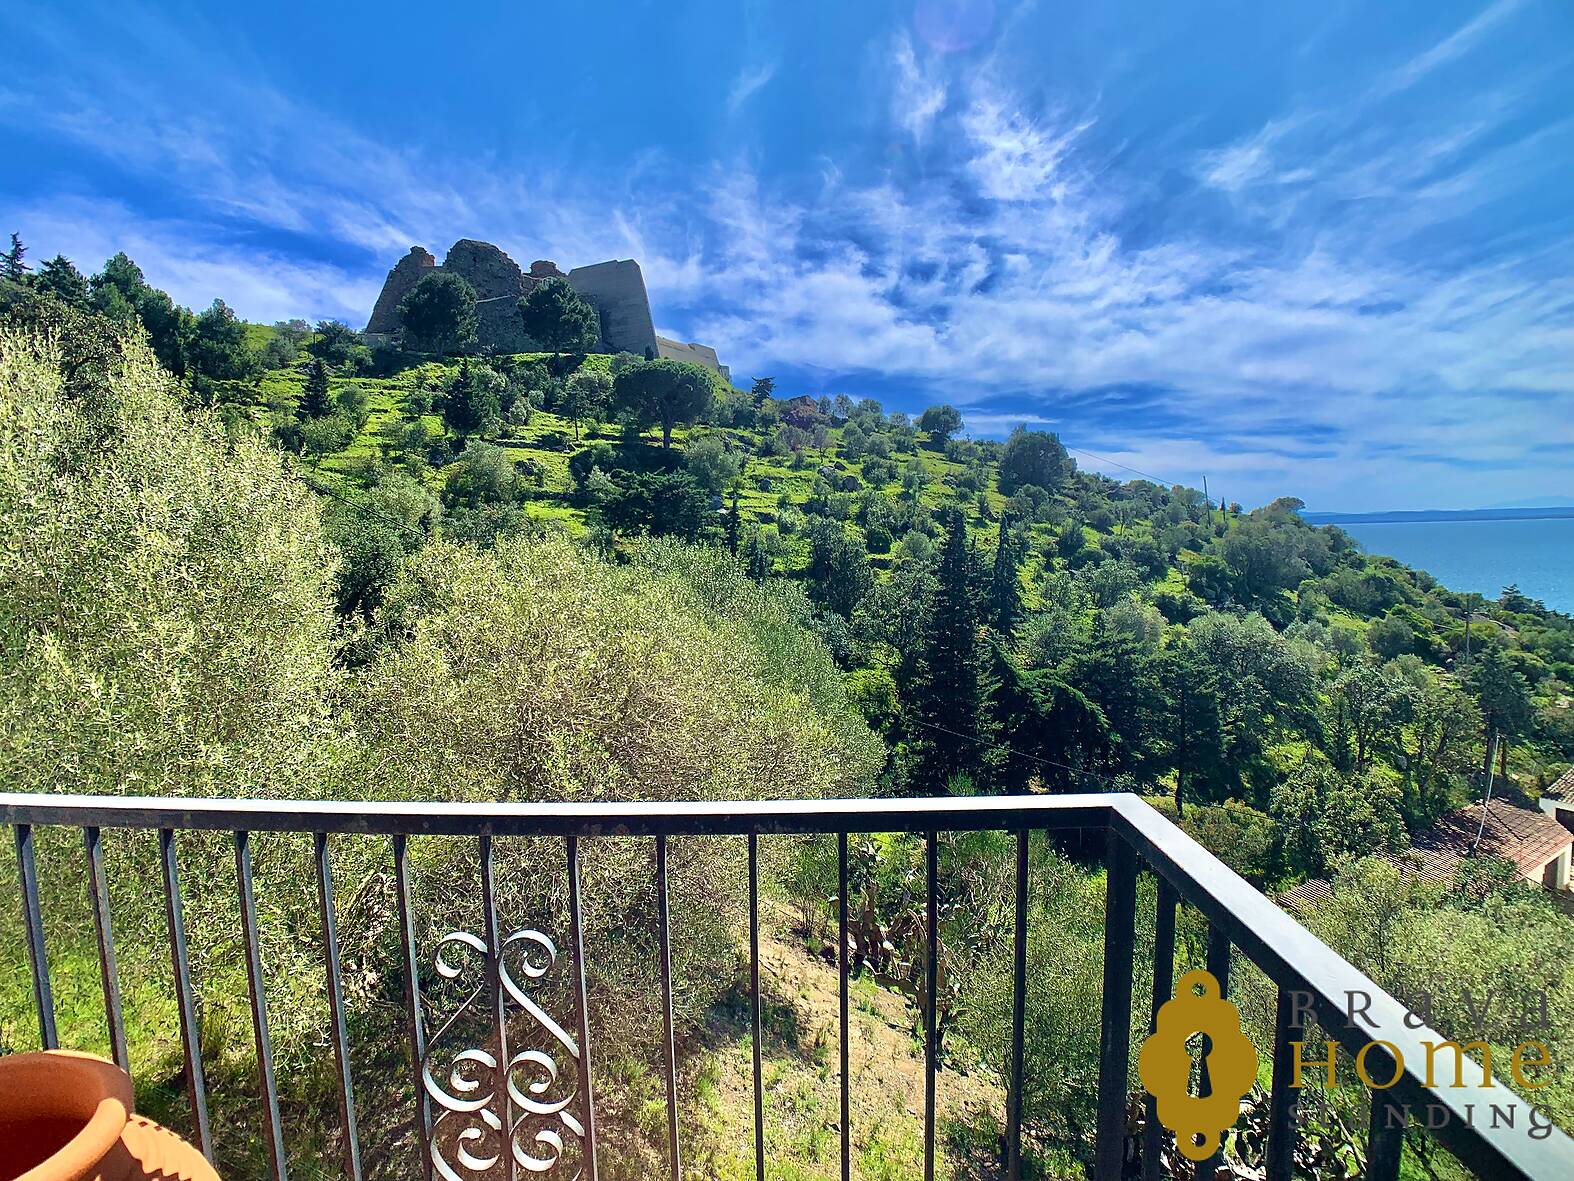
<point x="360" y="507"/>
<point x="1021" y="754"/>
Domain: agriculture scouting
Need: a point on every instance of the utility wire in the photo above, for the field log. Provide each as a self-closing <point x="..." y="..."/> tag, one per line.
<point x="1126" y="466"/>
<point x="360" y="507"/>
<point x="1089" y="775"/>
<point x="1486" y="802"/>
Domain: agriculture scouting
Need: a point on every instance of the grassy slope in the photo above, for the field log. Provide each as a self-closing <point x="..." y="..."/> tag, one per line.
<point x="548" y="441"/>
<point x="768" y="481"/>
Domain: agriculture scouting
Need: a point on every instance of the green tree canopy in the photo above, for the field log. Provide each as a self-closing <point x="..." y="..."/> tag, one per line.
<point x="121" y="293"/>
<point x="334" y="343"/>
<point x="483" y="475"/>
<point x="941" y="422"/>
<point x="218" y="345"/>
<point x="663" y="392"/>
<point x="1033" y="457"/>
<point x="712" y="463"/>
<point x="12" y="266"/>
<point x="439" y="315"/>
<point x="178" y="574"/>
<point x="659" y="503"/>
<point x="839" y="574"/>
<point x="472" y="403"/>
<point x="944" y="695"/>
<point x="60" y="277"/>
<point x="587" y="395"/>
<point x="315" y="401"/>
<point x="558" y="318"/>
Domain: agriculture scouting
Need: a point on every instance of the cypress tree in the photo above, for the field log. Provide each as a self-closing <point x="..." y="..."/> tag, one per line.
<point x="946" y="698"/>
<point x="315" y="401"/>
<point x="1005" y="589"/>
<point x="11" y="265"/>
<point x="733" y="522"/>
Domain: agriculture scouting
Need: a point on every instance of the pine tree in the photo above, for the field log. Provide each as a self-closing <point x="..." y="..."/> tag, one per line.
<point x="1005" y="588"/>
<point x="734" y="521"/>
<point x="946" y="699"/>
<point x="557" y="318"/>
<point x="315" y="402"/>
<point x="11" y="265"/>
<point x="473" y="404"/>
<point x="60" y="278"/>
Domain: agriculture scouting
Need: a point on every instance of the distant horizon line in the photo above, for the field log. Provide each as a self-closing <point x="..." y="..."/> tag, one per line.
<point x="1422" y="516"/>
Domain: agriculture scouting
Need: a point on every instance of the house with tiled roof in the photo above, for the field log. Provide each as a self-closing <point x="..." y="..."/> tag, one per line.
<point x="1558" y="800"/>
<point x="1540" y="848"/>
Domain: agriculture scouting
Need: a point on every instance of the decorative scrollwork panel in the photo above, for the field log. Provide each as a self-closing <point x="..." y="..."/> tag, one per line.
<point x="465" y="1082"/>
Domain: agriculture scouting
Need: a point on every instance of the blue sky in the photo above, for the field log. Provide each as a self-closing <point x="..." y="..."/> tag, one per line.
<point x="1314" y="249"/>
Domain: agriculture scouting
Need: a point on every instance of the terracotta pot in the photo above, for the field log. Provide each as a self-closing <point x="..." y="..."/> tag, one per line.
<point x="66" y="1116"/>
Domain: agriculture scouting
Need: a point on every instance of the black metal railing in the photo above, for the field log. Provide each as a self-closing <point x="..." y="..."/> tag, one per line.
<point x="1137" y="837"/>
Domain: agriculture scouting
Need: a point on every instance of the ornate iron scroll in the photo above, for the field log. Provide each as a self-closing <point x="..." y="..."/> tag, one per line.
<point x="469" y="1095"/>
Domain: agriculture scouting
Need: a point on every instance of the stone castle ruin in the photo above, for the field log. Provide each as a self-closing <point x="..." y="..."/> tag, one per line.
<point x="616" y="289"/>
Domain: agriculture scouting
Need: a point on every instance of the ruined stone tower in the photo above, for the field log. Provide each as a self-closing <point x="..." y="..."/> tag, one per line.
<point x="616" y="289"/>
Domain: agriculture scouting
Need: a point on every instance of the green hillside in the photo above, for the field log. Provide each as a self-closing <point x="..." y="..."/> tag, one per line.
<point x="274" y="562"/>
<point x="1090" y="552"/>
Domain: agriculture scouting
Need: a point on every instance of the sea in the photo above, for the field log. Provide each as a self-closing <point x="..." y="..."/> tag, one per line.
<point x="1484" y="556"/>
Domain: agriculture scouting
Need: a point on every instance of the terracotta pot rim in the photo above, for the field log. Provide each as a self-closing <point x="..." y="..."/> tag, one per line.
<point x="100" y="1084"/>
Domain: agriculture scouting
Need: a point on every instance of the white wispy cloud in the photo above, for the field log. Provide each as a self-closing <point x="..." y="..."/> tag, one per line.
<point x="183" y="259"/>
<point x="1016" y="157"/>
<point x="749" y="81"/>
<point x="1450" y="49"/>
<point x="1247" y="161"/>
<point x="1316" y="360"/>
<point x="919" y="93"/>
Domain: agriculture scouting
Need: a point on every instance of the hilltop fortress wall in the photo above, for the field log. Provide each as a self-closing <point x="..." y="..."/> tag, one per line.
<point x="616" y="289"/>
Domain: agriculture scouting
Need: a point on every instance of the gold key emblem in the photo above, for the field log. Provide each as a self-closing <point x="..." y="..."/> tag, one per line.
<point x="1164" y="1065"/>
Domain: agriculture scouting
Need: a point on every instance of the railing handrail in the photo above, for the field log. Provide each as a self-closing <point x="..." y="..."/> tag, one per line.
<point x="583" y="819"/>
<point x="1294" y="958"/>
<point x="1290" y="955"/>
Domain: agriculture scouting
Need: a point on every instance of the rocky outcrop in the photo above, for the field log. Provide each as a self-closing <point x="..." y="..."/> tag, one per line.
<point x="616" y="289"/>
<point x="487" y="269"/>
<point x="407" y="272"/>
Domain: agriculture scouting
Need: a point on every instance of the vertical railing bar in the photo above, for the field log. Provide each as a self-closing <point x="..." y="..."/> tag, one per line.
<point x="494" y="972"/>
<point x="412" y="995"/>
<point x="1163" y="986"/>
<point x="37" y="953"/>
<point x="190" y="1038"/>
<point x="1219" y="949"/>
<point x="754" y="1000"/>
<point x="587" y="1093"/>
<point x="341" y="1035"/>
<point x="842" y="995"/>
<point x="1018" y="1015"/>
<point x="664" y="920"/>
<point x="1115" y="1011"/>
<point x="1385" y="1137"/>
<point x="272" y="1126"/>
<point x="1283" y="1098"/>
<point x="104" y="933"/>
<point x="932" y="988"/>
<point x="1218" y="964"/>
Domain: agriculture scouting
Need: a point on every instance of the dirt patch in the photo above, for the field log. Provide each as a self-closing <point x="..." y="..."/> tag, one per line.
<point x="801" y="1069"/>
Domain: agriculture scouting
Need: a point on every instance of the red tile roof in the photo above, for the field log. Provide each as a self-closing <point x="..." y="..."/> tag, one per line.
<point x="1562" y="788"/>
<point x="1513" y="831"/>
